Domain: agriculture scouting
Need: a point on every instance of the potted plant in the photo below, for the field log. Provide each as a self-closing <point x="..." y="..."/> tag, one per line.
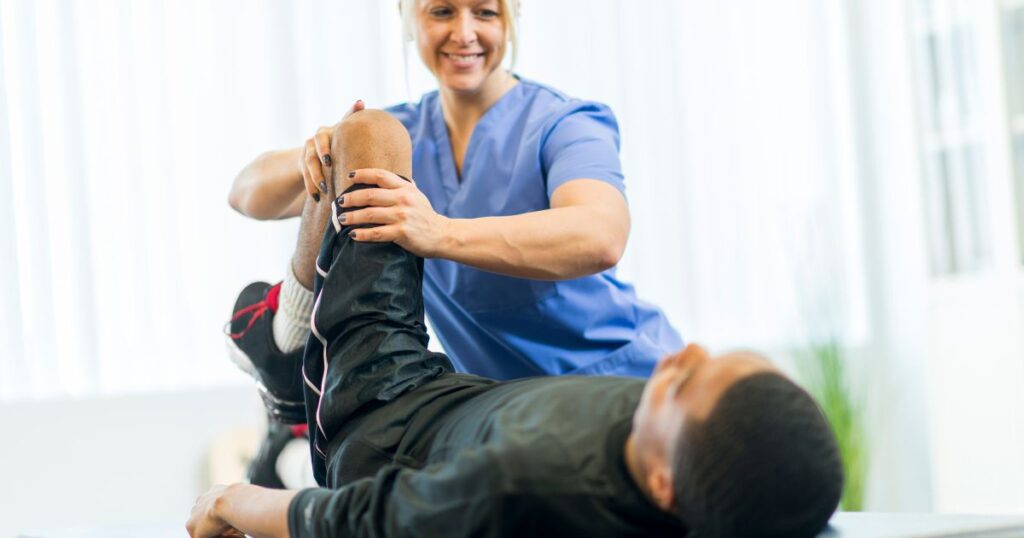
<point x="824" y="371"/>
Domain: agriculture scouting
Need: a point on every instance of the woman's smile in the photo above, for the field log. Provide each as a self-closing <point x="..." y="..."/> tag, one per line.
<point x="463" y="60"/>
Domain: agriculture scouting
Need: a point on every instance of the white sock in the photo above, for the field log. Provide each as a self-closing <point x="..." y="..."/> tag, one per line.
<point x="291" y="322"/>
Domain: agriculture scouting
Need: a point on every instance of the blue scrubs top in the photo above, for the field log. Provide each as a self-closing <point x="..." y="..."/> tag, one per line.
<point x="533" y="140"/>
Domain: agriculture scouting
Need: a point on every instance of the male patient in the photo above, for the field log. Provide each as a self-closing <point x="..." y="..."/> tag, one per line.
<point x="404" y="446"/>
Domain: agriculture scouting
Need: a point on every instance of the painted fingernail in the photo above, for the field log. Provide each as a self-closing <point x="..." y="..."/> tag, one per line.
<point x="323" y="186"/>
<point x="341" y="200"/>
<point x="352" y="234"/>
<point x="343" y="217"/>
<point x="316" y="196"/>
<point x="351" y="175"/>
<point x="327" y="160"/>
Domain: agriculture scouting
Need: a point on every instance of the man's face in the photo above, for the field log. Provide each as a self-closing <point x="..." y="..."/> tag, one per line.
<point x="686" y="386"/>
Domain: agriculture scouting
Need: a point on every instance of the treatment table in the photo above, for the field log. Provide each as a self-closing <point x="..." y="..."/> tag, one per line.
<point x="843" y="525"/>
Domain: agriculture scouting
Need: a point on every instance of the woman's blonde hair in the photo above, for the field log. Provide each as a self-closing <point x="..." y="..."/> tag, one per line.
<point x="509" y="16"/>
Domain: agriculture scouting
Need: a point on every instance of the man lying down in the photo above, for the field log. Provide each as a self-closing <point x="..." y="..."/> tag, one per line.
<point x="404" y="446"/>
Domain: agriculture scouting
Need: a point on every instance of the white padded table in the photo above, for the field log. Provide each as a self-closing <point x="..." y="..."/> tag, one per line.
<point x="882" y="525"/>
<point x="843" y="525"/>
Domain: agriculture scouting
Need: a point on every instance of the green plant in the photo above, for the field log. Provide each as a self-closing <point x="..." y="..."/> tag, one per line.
<point x="824" y="372"/>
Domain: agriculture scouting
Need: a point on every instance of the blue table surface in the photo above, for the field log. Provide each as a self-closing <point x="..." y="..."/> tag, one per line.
<point x="843" y="525"/>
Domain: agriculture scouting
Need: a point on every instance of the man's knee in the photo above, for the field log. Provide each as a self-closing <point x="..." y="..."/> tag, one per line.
<point x="371" y="129"/>
<point x="370" y="139"/>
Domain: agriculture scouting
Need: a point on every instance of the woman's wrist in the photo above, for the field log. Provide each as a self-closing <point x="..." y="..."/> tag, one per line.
<point x="294" y="156"/>
<point x="450" y="238"/>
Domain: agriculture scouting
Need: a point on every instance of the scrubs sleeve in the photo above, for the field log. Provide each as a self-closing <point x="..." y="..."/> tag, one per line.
<point x="583" y="144"/>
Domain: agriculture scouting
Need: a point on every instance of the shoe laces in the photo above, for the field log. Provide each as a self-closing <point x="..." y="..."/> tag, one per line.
<point x="255" y="311"/>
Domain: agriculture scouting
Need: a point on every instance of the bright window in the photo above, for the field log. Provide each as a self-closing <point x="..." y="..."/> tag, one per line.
<point x="1013" y="40"/>
<point x="953" y="143"/>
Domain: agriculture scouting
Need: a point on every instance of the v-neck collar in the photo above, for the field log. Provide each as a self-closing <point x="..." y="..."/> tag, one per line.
<point x="450" y="176"/>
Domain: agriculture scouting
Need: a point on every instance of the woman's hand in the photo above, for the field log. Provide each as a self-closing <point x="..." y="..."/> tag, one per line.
<point x="401" y="211"/>
<point x="315" y="159"/>
<point x="204" y="521"/>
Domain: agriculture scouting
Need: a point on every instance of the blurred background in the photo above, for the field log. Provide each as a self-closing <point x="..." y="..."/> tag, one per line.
<point x="836" y="183"/>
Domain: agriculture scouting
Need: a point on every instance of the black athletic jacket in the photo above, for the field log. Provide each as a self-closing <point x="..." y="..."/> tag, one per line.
<point x="406" y="447"/>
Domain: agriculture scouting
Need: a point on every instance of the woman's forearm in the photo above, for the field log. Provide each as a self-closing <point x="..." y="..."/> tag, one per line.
<point x="584" y="231"/>
<point x="270" y="187"/>
<point x="554" y="244"/>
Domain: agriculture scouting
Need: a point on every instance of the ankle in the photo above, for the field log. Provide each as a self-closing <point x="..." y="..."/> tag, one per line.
<point x="291" y="321"/>
<point x="302" y="272"/>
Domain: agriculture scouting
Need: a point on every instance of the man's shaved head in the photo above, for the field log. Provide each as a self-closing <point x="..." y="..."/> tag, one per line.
<point x="734" y="447"/>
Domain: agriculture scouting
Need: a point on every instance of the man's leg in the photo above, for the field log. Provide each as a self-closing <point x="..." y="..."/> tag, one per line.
<point x="371" y="139"/>
<point x="271" y="324"/>
<point x="369" y="342"/>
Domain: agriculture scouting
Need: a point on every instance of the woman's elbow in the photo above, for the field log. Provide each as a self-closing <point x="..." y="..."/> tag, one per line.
<point x="608" y="252"/>
<point x="608" y="243"/>
<point x="243" y="202"/>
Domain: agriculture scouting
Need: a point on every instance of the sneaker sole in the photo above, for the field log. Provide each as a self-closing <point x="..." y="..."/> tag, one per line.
<point x="284" y="411"/>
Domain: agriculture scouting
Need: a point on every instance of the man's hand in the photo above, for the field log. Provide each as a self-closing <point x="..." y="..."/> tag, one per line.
<point x="239" y="510"/>
<point x="205" y="521"/>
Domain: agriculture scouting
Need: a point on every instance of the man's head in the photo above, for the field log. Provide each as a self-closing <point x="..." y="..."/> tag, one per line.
<point x="734" y="447"/>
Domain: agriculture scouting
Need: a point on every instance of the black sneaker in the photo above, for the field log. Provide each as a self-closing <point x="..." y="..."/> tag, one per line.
<point x="250" y="337"/>
<point x="263" y="467"/>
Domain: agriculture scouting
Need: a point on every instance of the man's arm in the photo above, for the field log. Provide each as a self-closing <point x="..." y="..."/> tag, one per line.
<point x="241" y="509"/>
<point x="469" y="496"/>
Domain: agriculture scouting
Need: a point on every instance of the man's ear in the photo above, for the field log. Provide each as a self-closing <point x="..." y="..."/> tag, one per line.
<point x="660" y="486"/>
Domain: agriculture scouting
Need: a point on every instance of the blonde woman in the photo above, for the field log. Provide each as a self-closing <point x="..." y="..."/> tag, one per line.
<point x="516" y="201"/>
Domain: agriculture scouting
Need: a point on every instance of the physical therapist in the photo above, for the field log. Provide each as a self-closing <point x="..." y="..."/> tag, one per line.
<point x="517" y="203"/>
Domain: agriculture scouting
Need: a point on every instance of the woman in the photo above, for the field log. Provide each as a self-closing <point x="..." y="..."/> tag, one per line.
<point x="516" y="203"/>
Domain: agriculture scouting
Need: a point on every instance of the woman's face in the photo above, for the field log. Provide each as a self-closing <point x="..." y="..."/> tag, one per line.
<point x="462" y="42"/>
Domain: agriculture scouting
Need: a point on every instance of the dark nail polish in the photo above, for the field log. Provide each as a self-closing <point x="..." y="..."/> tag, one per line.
<point x="351" y="175"/>
<point x="352" y="234"/>
<point x="342" y="218"/>
<point x="316" y="197"/>
<point x="327" y="160"/>
<point x="323" y="186"/>
<point x="341" y="201"/>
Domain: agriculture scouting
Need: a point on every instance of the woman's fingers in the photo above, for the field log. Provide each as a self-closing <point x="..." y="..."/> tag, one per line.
<point x="378" y="177"/>
<point x="371" y="215"/>
<point x="356" y="107"/>
<point x="307" y="180"/>
<point x="371" y="197"/>
<point x="316" y="174"/>
<point x="379" y="234"/>
<point x="316" y="159"/>
<point x="322" y="140"/>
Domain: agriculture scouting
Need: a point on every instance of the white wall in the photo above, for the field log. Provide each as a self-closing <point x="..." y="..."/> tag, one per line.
<point x="114" y="461"/>
<point x="895" y="362"/>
